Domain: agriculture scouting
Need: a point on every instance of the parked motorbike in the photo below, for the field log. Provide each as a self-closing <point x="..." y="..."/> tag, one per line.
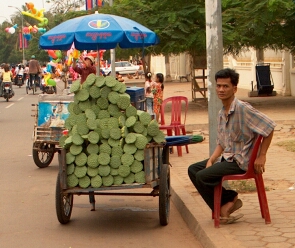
<point x="7" y="91"/>
<point x="19" y="80"/>
<point x="48" y="89"/>
<point x="48" y="84"/>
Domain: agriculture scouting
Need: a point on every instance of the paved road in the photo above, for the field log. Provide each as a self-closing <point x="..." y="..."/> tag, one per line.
<point x="27" y="205"/>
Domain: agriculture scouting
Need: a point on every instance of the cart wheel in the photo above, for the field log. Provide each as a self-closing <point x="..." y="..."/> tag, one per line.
<point x="164" y="194"/>
<point x="63" y="203"/>
<point x="43" y="158"/>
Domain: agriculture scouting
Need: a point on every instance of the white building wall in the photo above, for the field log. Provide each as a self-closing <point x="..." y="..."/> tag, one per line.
<point x="244" y="64"/>
<point x="158" y="64"/>
<point x="292" y="79"/>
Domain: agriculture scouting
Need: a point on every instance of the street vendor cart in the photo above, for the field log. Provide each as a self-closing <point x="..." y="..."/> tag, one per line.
<point x="50" y="114"/>
<point x="157" y="177"/>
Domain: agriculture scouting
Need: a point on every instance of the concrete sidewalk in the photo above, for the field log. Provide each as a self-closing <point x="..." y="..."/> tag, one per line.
<point x="251" y="230"/>
<point x="279" y="179"/>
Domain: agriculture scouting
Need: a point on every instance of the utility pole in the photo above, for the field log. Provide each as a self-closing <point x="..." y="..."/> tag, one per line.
<point x="22" y="33"/>
<point x="214" y="63"/>
<point x="113" y="53"/>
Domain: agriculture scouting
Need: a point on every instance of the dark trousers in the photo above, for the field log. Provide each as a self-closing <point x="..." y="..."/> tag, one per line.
<point x="33" y="77"/>
<point x="205" y="179"/>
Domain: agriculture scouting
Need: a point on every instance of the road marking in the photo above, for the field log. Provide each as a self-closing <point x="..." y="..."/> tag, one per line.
<point x="9" y="105"/>
<point x="20" y="99"/>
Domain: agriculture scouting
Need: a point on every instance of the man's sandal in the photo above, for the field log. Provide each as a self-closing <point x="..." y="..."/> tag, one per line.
<point x="230" y="219"/>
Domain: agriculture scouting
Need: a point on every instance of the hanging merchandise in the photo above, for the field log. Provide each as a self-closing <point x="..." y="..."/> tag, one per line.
<point x="36" y="14"/>
<point x="72" y="54"/>
<point x="55" y="55"/>
<point x="11" y="30"/>
<point x="32" y="29"/>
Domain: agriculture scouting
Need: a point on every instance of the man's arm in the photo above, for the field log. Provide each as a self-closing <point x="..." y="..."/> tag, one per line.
<point x="259" y="164"/>
<point x="217" y="152"/>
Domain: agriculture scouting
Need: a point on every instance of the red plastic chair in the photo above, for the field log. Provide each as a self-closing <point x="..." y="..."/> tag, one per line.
<point x="176" y="124"/>
<point x="249" y="174"/>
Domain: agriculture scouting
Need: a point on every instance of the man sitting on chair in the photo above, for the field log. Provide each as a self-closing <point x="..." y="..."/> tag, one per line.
<point x="239" y="124"/>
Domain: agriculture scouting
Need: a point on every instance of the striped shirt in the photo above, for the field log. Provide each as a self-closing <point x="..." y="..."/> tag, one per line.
<point x="238" y="131"/>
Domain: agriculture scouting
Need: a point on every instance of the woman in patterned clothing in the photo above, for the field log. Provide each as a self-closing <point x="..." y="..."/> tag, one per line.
<point x="157" y="89"/>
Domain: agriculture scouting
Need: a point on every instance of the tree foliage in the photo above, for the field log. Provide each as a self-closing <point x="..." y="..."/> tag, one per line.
<point x="179" y="24"/>
<point x="260" y="24"/>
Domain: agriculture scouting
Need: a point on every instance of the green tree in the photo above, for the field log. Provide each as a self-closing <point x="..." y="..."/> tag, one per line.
<point x="181" y="26"/>
<point x="260" y="24"/>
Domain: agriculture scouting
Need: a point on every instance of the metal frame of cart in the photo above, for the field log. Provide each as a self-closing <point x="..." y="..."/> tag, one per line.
<point x="157" y="175"/>
<point x="46" y="139"/>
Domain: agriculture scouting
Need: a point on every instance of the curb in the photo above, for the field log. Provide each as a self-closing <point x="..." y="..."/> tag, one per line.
<point x="197" y="217"/>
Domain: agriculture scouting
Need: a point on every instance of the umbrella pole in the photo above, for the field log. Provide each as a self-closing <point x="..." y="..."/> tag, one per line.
<point x="98" y="63"/>
<point x="142" y="59"/>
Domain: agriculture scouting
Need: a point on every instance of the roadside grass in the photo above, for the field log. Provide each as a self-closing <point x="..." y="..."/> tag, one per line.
<point x="289" y="145"/>
<point x="242" y="186"/>
<point x="248" y="186"/>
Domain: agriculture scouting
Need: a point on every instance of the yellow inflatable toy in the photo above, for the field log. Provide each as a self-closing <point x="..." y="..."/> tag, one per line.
<point x="47" y="76"/>
<point x="36" y="14"/>
<point x="48" y="80"/>
<point x="75" y="54"/>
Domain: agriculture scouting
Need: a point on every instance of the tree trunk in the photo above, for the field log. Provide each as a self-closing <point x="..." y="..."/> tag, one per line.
<point x="260" y="55"/>
<point x="146" y="63"/>
<point x="167" y="66"/>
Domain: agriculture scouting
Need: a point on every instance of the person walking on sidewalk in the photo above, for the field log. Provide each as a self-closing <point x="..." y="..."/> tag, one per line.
<point x="239" y="124"/>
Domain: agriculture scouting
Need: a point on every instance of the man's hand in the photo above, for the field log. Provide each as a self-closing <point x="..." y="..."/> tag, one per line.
<point x="259" y="164"/>
<point x="209" y="163"/>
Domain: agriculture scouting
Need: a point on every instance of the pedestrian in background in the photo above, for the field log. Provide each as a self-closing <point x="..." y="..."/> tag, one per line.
<point x="157" y="90"/>
<point x="26" y="74"/>
<point x="119" y="77"/>
<point x="239" y="125"/>
<point x="148" y="93"/>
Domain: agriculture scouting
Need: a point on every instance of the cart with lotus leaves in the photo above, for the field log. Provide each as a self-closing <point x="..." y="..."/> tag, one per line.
<point x="157" y="178"/>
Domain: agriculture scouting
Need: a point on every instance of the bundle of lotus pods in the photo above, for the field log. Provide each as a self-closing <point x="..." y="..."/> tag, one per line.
<point x="106" y="135"/>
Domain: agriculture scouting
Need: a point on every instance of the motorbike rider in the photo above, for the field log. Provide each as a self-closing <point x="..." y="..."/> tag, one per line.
<point x="6" y="77"/>
<point x="20" y="73"/>
<point x="34" y="70"/>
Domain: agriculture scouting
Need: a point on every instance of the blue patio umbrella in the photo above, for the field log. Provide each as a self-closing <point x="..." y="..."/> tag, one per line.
<point x="96" y="32"/>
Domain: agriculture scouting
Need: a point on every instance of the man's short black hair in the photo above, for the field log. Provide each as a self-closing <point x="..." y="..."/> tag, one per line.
<point x="228" y="73"/>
